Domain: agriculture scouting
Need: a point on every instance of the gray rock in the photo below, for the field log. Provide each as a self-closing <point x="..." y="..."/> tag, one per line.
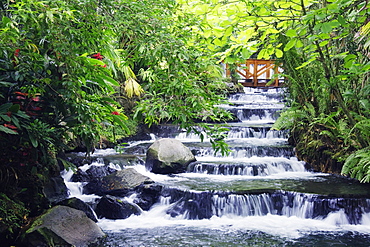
<point x="92" y="173"/>
<point x="166" y="156"/>
<point x="127" y="178"/>
<point x="80" y="205"/>
<point x="119" y="183"/>
<point x="111" y="207"/>
<point x="55" y="189"/>
<point x="62" y="226"/>
<point x="148" y="195"/>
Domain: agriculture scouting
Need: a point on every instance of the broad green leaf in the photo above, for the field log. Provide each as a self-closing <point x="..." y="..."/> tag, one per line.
<point x="333" y="6"/>
<point x="14" y="108"/>
<point x="103" y="84"/>
<point x="229" y="31"/>
<point x="279" y="53"/>
<point x="201" y="9"/>
<point x="317" y="27"/>
<point x="15" y="121"/>
<point x="108" y="99"/>
<point x="218" y="42"/>
<point x="33" y="140"/>
<point x="6" y="118"/>
<point x="334" y="24"/>
<point x="110" y="80"/>
<point x="299" y="44"/>
<point x="50" y="15"/>
<point x="324" y="36"/>
<point x="94" y="61"/>
<point x="7" y="130"/>
<point x="6" y="84"/>
<point x="5" y="107"/>
<point x="349" y="63"/>
<point x="207" y="33"/>
<point x="323" y="43"/>
<point x="350" y="57"/>
<point x="341" y="20"/>
<point x="290" y="44"/>
<point x="246" y="53"/>
<point x="219" y="33"/>
<point x="326" y="27"/>
<point x="21" y="114"/>
<point x="291" y="33"/>
<point x="263" y="54"/>
<point x="272" y="30"/>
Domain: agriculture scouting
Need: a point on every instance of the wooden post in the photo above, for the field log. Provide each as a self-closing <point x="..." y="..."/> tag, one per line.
<point x="228" y="73"/>
<point x="255" y="71"/>
<point x="268" y="69"/>
<point x="276" y="71"/>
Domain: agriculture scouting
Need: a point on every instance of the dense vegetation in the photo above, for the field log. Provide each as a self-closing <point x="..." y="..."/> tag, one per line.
<point x="73" y="73"/>
<point x="324" y="49"/>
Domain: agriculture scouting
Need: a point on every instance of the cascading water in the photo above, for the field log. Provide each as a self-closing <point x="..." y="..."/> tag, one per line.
<point x="260" y="195"/>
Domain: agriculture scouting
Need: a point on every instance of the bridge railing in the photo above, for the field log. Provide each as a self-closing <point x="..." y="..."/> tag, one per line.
<point x="256" y="73"/>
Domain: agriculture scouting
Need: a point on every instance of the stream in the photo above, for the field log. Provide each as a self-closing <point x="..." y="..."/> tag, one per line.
<point x="260" y="195"/>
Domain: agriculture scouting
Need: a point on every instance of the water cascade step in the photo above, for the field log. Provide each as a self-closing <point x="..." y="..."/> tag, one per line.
<point x="259" y="195"/>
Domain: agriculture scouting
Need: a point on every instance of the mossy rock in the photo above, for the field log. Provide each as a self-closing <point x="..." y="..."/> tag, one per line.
<point x="166" y="156"/>
<point x="62" y="226"/>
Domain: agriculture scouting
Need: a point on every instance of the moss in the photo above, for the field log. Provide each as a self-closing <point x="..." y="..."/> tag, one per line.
<point x="320" y="152"/>
<point x="13" y="216"/>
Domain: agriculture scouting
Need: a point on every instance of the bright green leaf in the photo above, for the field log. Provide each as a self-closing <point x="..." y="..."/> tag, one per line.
<point x="291" y="33"/>
<point x="229" y="31"/>
<point x="290" y="44"/>
<point x="279" y="53"/>
<point x="326" y="27"/>
<point x="323" y="43"/>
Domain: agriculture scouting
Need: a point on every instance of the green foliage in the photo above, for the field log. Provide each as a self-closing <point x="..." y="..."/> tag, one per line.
<point x="65" y="65"/>
<point x="12" y="215"/>
<point x="357" y="165"/>
<point x="323" y="46"/>
<point x="57" y="79"/>
<point x="288" y="118"/>
<point x="111" y="134"/>
<point x="49" y="51"/>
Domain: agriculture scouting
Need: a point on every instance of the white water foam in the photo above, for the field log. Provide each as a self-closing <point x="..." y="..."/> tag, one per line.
<point x="283" y="226"/>
<point x="75" y="189"/>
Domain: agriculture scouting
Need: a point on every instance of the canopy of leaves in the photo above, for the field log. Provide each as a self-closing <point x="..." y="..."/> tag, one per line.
<point x="324" y="48"/>
<point x="76" y="70"/>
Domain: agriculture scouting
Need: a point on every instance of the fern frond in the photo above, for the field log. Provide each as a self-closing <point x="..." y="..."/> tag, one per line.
<point x="357" y="165"/>
<point x="288" y="118"/>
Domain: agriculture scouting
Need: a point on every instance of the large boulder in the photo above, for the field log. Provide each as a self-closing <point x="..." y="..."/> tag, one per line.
<point x="119" y="183"/>
<point x="62" y="226"/>
<point x="167" y="156"/>
<point x="111" y="207"/>
<point x="148" y="195"/>
<point x="91" y="173"/>
<point x="80" y="205"/>
<point x="55" y="189"/>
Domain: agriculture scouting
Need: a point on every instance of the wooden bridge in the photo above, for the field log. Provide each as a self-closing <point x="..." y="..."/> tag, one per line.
<point x="256" y="73"/>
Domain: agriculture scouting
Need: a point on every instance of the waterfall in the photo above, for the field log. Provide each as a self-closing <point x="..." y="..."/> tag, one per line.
<point x="260" y="194"/>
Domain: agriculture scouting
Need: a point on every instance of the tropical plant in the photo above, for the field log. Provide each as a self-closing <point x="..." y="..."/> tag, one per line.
<point x="323" y="48"/>
<point x="57" y="66"/>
